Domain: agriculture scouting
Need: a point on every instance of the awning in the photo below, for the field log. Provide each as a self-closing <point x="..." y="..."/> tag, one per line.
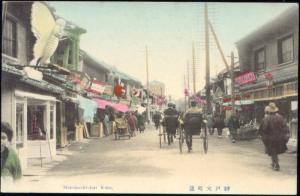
<point x="101" y="103"/>
<point x="89" y="107"/>
<point x="117" y="106"/>
<point x="121" y="107"/>
<point x="19" y="93"/>
<point x="239" y="102"/>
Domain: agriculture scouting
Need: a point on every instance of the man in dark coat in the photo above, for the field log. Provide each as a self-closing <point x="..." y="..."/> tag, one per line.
<point x="233" y="125"/>
<point x="219" y="124"/>
<point x="275" y="134"/>
<point x="171" y="122"/>
<point x="156" y="119"/>
<point x="193" y="121"/>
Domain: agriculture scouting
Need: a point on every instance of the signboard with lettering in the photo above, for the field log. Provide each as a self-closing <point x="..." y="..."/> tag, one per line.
<point x="245" y="78"/>
<point x="98" y="87"/>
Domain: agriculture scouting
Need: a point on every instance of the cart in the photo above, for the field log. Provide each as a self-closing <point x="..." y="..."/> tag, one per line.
<point x="182" y="136"/>
<point x="247" y="132"/>
<point x="121" y="129"/>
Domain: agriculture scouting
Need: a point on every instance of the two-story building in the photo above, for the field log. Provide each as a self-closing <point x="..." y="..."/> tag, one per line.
<point x="31" y="97"/>
<point x="269" y="59"/>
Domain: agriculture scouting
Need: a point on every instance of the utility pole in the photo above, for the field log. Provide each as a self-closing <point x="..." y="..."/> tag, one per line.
<point x="184" y="87"/>
<point x="188" y="83"/>
<point x="147" y="77"/>
<point x="208" y="105"/>
<point x="194" y="70"/>
<point x="188" y="75"/>
<point x="232" y="83"/>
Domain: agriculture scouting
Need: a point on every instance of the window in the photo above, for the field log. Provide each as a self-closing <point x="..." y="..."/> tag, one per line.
<point x="36" y="126"/>
<point x="285" y="50"/>
<point x="9" y="44"/>
<point x="260" y="59"/>
<point x="19" y="123"/>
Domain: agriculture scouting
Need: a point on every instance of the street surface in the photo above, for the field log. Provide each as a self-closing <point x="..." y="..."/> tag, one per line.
<point x="138" y="165"/>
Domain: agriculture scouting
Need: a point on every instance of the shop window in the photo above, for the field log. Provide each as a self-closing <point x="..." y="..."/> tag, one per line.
<point x="9" y="42"/>
<point x="260" y="59"/>
<point x="20" y="123"/>
<point x="36" y="122"/>
<point x="285" y="50"/>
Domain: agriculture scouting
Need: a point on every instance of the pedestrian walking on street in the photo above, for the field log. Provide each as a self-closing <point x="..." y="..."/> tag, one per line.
<point x="233" y="125"/>
<point x="171" y="122"/>
<point x="141" y="122"/>
<point x="10" y="163"/>
<point x="275" y="134"/>
<point x="193" y="121"/>
<point x="106" y="124"/>
<point x="219" y="124"/>
<point x="111" y="121"/>
<point x="132" y="121"/>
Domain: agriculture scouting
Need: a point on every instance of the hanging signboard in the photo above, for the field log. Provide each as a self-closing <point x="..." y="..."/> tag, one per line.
<point x="96" y="87"/>
<point x="108" y="89"/>
<point x="245" y="78"/>
<point x="294" y="105"/>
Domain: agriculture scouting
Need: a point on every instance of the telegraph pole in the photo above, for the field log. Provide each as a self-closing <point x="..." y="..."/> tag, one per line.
<point x="194" y="70"/>
<point x="184" y="87"/>
<point x="188" y="83"/>
<point x="208" y="108"/>
<point x="188" y="75"/>
<point x="147" y="77"/>
<point x="232" y="83"/>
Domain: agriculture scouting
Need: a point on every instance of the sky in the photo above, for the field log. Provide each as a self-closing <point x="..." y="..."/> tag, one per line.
<point x="118" y="32"/>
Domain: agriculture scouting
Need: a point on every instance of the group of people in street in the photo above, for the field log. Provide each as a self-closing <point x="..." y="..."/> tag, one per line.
<point x="273" y="129"/>
<point x="133" y="122"/>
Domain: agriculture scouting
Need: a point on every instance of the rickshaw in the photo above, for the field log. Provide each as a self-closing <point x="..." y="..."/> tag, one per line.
<point x="182" y="136"/>
<point x="121" y="129"/>
<point x="162" y="133"/>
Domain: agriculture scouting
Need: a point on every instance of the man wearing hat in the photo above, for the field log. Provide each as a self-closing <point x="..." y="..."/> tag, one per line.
<point x="171" y="122"/>
<point x="274" y="133"/>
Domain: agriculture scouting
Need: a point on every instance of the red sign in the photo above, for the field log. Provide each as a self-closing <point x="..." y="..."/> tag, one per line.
<point x="227" y="108"/>
<point x="245" y="78"/>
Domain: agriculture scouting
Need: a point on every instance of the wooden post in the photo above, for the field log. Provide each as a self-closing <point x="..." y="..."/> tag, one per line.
<point x="232" y="83"/>
<point x="194" y="70"/>
<point x="218" y="45"/>
<point x="147" y="77"/>
<point x="208" y="106"/>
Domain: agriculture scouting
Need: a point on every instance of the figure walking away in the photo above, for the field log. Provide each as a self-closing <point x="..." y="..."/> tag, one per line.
<point x="275" y="134"/>
<point x="233" y="125"/>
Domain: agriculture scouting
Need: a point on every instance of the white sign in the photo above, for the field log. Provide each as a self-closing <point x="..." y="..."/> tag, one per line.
<point x="33" y="74"/>
<point x="294" y="105"/>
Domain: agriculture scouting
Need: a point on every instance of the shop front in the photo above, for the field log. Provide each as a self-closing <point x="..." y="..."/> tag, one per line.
<point x="35" y="125"/>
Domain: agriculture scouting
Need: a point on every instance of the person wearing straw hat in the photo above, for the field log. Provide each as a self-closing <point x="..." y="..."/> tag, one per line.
<point x="274" y="131"/>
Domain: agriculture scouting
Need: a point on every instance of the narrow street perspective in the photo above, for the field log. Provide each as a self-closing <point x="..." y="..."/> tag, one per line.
<point x="138" y="165"/>
<point x="149" y="97"/>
